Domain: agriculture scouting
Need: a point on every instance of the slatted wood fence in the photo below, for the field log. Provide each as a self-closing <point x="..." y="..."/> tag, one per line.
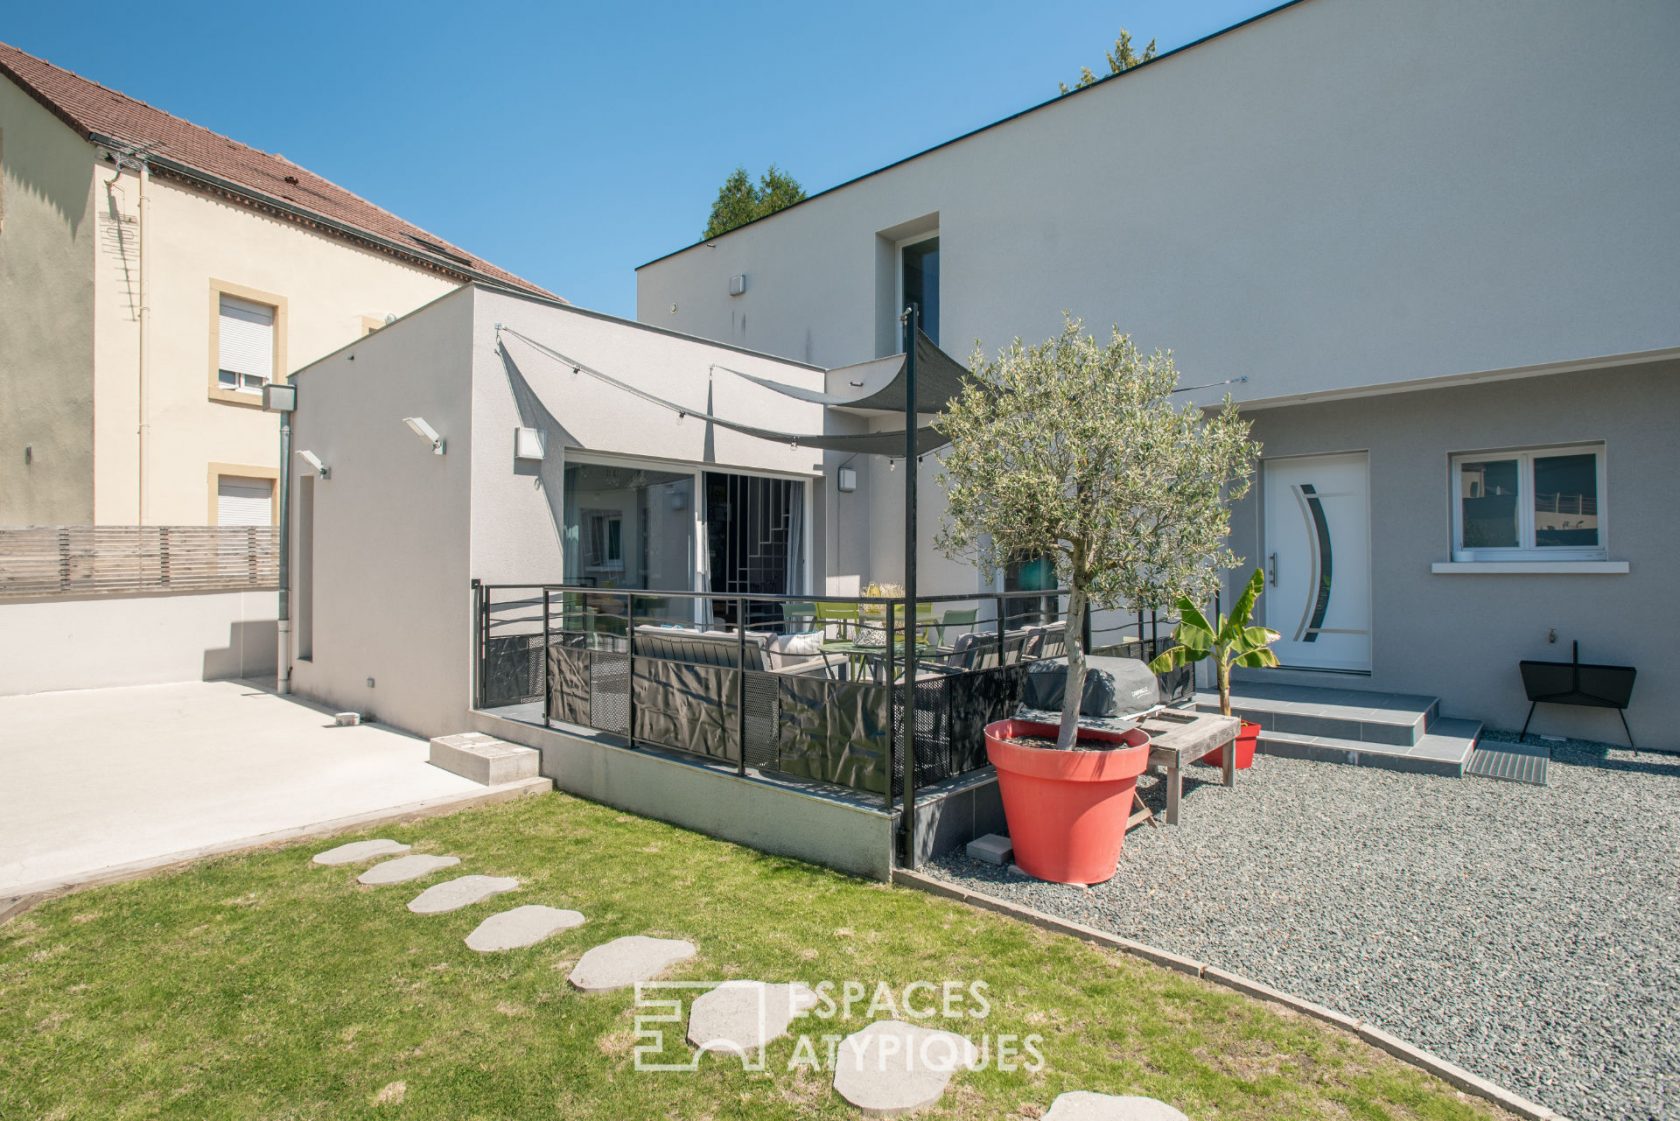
<point x="107" y="560"/>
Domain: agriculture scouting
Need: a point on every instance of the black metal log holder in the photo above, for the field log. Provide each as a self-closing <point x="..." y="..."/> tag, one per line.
<point x="1585" y="684"/>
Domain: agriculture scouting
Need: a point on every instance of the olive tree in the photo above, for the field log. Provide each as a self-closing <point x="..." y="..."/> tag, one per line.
<point x="1075" y="450"/>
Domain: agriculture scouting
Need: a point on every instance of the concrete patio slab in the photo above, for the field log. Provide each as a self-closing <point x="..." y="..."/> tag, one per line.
<point x="105" y="782"/>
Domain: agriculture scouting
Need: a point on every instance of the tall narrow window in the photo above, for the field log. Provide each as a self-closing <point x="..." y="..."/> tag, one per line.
<point x="245" y="357"/>
<point x="303" y="598"/>
<point x="921" y="282"/>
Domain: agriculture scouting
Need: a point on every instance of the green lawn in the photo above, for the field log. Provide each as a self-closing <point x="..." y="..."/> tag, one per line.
<point x="260" y="986"/>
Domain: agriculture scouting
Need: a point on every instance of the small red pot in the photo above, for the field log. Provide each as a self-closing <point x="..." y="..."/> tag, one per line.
<point x="1067" y="810"/>
<point x="1247" y="738"/>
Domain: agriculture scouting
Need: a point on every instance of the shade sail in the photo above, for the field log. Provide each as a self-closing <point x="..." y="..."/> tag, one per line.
<point x="879" y="384"/>
<point x="890" y="443"/>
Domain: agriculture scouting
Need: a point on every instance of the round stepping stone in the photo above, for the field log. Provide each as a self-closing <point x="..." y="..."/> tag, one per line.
<point x="405" y="868"/>
<point x="1083" y="1105"/>
<point x="624" y="961"/>
<point x="522" y="926"/>
<point x="462" y="891"/>
<point x="893" y="1067"/>
<point x="739" y="1017"/>
<point x="357" y="851"/>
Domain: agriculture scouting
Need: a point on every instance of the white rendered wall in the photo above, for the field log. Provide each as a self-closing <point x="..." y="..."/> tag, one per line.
<point x="105" y="641"/>
<point x="1341" y="194"/>
<point x="391" y="603"/>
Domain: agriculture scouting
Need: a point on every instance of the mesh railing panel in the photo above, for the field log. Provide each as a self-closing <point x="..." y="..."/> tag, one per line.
<point x="513" y="670"/>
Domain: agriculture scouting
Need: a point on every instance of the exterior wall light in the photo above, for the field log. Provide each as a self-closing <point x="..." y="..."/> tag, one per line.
<point x="321" y="469"/>
<point x="529" y="443"/>
<point x="846" y="479"/>
<point x="737" y="284"/>
<point x="426" y="432"/>
<point x="279" y="397"/>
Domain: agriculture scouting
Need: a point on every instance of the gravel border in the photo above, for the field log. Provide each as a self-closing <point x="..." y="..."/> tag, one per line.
<point x="1525" y="933"/>
<point x="1399" y="1048"/>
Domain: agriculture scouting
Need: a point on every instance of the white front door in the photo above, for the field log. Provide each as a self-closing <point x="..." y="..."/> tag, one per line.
<point x="1318" y="560"/>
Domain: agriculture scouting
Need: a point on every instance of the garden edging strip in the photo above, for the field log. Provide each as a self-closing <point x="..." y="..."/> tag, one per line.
<point x="1451" y="1073"/>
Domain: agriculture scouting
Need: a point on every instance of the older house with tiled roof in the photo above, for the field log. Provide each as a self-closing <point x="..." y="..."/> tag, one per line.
<point x="153" y="275"/>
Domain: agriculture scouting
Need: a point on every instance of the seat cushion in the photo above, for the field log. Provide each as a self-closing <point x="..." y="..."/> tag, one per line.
<point x="783" y="650"/>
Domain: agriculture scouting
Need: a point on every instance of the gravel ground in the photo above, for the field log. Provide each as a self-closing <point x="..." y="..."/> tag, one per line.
<point x="1530" y="934"/>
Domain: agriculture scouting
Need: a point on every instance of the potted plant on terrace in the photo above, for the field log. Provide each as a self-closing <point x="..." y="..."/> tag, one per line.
<point x="1230" y="640"/>
<point x="1074" y="450"/>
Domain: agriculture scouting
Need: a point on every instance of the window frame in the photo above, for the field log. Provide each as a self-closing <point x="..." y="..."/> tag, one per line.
<point x="899" y="246"/>
<point x="1527" y="549"/>
<point x="217" y="471"/>
<point x="250" y="398"/>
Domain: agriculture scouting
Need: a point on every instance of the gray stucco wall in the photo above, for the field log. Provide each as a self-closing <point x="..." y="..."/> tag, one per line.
<point x="834" y="831"/>
<point x="391" y="601"/>
<point x="1460" y="636"/>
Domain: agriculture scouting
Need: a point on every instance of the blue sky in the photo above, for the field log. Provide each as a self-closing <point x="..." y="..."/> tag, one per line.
<point x="572" y="142"/>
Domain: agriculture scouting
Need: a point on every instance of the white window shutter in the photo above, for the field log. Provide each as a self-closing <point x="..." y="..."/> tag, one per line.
<point x="244" y="501"/>
<point x="247" y="338"/>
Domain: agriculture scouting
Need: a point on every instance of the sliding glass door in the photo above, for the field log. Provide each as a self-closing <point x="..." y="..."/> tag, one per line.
<point x="629" y="527"/>
<point x="633" y="526"/>
<point x="755" y="539"/>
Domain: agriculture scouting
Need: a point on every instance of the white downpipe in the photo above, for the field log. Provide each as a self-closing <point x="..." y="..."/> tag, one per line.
<point x="283" y="659"/>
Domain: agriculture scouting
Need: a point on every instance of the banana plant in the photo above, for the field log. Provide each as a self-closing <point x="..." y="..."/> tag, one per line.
<point x="1233" y="641"/>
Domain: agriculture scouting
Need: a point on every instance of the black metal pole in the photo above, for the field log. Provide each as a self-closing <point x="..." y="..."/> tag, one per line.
<point x="478" y="642"/>
<point x="911" y="329"/>
<point x="548" y="689"/>
<point x="741" y="680"/>
<point x="630" y="665"/>
<point x="1000" y="603"/>
<point x="892" y="673"/>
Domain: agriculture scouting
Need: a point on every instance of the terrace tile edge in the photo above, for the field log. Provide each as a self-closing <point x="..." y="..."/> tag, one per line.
<point x="1449" y="1072"/>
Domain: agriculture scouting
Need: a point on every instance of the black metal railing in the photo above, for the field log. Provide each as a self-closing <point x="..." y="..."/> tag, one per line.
<point x="810" y="691"/>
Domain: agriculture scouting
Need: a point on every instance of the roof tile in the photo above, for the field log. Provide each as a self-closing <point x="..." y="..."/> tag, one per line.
<point x="91" y="108"/>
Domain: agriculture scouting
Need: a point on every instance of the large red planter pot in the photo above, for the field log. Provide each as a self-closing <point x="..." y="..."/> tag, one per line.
<point x="1067" y="810"/>
<point x="1248" y="737"/>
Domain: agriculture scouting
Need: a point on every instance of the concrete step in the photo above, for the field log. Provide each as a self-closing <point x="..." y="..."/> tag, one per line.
<point x="1395" y="719"/>
<point x="484" y="759"/>
<point x="1443" y="750"/>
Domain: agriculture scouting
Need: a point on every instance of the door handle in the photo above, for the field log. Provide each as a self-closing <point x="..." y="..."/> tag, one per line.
<point x="1272" y="560"/>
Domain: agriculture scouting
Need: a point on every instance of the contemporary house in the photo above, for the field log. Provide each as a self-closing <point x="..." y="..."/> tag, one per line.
<point x="153" y="276"/>
<point x="553" y="462"/>
<point x="1432" y="250"/>
<point x="589" y="535"/>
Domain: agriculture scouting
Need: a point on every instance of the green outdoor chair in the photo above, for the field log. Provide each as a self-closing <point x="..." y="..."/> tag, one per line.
<point x="958" y="617"/>
<point x="842" y="616"/>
